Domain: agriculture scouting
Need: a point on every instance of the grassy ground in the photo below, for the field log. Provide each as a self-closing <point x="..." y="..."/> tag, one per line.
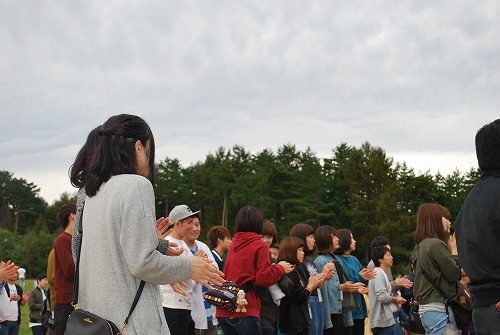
<point x="25" y="310"/>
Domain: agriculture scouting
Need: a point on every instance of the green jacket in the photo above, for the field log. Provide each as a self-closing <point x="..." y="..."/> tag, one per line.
<point x="433" y="256"/>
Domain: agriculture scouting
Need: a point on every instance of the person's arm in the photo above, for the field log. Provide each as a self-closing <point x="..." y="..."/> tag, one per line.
<point x="266" y="274"/>
<point x="33" y="303"/>
<point x="320" y="263"/>
<point x="64" y="257"/>
<point x="379" y="285"/>
<point x="447" y="263"/>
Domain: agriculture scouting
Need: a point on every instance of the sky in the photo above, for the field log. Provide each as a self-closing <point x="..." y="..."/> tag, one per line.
<point x="416" y="78"/>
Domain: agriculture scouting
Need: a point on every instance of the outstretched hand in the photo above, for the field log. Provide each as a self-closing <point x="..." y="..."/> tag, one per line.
<point x="204" y="272"/>
<point x="161" y="227"/>
<point x="403" y="282"/>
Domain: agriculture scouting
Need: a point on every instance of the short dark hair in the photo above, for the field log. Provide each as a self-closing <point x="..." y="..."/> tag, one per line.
<point x="269" y="229"/>
<point x="249" y="219"/>
<point x="302" y="230"/>
<point x="41" y="276"/>
<point x="111" y="152"/>
<point x="488" y="146"/>
<point x="345" y="239"/>
<point x="380" y="241"/>
<point x="430" y="222"/>
<point x="288" y="249"/>
<point x="64" y="213"/>
<point x="378" y="253"/>
<point x="323" y="239"/>
<point x="215" y="233"/>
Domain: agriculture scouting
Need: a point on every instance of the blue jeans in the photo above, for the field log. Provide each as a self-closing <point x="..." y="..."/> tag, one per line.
<point x="386" y="330"/>
<point x="240" y="326"/>
<point x="436" y="323"/>
<point x="317" y="322"/>
<point x="399" y="317"/>
<point x="486" y="320"/>
<point x="9" y="328"/>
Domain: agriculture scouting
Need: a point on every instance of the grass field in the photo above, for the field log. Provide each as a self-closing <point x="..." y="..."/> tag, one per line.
<point x="25" y="310"/>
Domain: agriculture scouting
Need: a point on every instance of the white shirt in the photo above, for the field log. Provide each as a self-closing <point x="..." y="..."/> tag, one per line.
<point x="172" y="299"/>
<point x="13" y="304"/>
<point x="21" y="272"/>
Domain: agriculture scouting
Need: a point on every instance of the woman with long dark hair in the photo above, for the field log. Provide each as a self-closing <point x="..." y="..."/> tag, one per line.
<point x="357" y="273"/>
<point x="115" y="171"/>
<point x="435" y="259"/>
<point x="294" y="312"/>
<point x="306" y="233"/>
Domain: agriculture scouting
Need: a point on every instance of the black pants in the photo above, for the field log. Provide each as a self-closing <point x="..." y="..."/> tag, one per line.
<point x="179" y="321"/>
<point x="338" y="325"/>
<point x="62" y="312"/>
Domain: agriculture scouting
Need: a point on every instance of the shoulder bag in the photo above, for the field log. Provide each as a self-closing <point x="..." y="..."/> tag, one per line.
<point x="414" y="324"/>
<point x="82" y="322"/>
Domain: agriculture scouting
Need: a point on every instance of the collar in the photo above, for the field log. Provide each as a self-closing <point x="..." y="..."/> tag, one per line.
<point x="492" y="172"/>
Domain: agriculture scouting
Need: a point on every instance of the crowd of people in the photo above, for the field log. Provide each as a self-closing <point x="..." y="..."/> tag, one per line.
<point x="310" y="282"/>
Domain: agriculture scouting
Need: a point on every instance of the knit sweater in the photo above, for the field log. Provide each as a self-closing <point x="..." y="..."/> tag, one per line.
<point x="119" y="250"/>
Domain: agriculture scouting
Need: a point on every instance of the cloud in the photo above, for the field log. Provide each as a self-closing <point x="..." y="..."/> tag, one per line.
<point x="417" y="78"/>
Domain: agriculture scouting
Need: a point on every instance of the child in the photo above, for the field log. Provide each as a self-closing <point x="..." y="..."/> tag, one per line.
<point x="274" y="250"/>
<point x="294" y="313"/>
<point x="383" y="306"/>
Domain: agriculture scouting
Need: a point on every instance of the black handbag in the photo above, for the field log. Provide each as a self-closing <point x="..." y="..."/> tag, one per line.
<point x="82" y="322"/>
<point x="414" y="324"/>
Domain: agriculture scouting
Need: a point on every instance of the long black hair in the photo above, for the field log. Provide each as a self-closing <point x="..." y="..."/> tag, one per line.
<point x="110" y="151"/>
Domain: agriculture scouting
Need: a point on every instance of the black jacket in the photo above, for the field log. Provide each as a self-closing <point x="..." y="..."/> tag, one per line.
<point x="478" y="238"/>
<point x="294" y="311"/>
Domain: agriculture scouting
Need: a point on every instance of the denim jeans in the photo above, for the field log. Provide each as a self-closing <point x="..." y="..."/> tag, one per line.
<point x="240" y="326"/>
<point x="486" y="320"/>
<point x="398" y="318"/>
<point x="9" y="328"/>
<point x="386" y="330"/>
<point x="436" y="323"/>
<point x="317" y="322"/>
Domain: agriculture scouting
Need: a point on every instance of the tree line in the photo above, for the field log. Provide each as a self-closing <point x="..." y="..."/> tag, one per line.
<point x="359" y="188"/>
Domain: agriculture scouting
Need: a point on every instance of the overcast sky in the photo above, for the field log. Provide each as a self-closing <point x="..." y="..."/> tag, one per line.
<point x="416" y="78"/>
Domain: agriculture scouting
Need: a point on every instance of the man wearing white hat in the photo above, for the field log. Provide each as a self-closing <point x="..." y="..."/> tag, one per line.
<point x="177" y="306"/>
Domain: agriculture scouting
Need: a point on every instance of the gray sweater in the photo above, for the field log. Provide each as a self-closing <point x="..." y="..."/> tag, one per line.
<point x="119" y="250"/>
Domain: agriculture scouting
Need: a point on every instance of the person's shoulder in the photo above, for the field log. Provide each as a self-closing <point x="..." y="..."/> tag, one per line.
<point x="131" y="179"/>
<point x="200" y="244"/>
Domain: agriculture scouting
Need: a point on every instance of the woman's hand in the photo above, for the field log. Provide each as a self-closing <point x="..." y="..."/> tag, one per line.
<point x="403" y="282"/>
<point x="178" y="287"/>
<point x="316" y="281"/>
<point x="287" y="266"/>
<point x="367" y="274"/>
<point x="8" y="271"/>
<point x="204" y="272"/>
<point x="201" y="253"/>
<point x="161" y="227"/>
<point x="328" y="270"/>
<point x="351" y="287"/>
<point x="174" y="250"/>
<point x="452" y="245"/>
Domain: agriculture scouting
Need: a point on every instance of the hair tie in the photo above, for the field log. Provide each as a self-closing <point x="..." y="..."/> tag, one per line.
<point x="104" y="133"/>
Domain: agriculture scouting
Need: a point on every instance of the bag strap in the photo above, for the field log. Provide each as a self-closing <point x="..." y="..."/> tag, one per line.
<point x="77" y="278"/>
